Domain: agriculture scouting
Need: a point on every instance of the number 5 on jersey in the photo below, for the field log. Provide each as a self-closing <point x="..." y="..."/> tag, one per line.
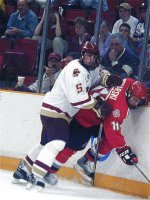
<point x="79" y="88"/>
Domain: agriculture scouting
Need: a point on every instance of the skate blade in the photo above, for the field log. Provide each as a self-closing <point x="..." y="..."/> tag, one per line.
<point x="18" y="181"/>
<point x="30" y="186"/>
<point x="86" y="178"/>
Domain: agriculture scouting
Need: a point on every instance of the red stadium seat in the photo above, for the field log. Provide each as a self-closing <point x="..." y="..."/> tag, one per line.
<point x="9" y="9"/>
<point x="16" y="62"/>
<point x="29" y="80"/>
<point x="4" y="45"/>
<point x="30" y="50"/>
<point x="112" y="5"/>
<point x="71" y="14"/>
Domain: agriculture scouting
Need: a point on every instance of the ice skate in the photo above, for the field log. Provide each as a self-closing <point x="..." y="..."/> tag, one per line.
<point x="51" y="179"/>
<point x="85" y="169"/>
<point x="22" y="174"/>
<point x="36" y="182"/>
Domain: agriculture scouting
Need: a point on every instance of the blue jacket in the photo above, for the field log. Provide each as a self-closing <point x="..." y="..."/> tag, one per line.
<point x="26" y="25"/>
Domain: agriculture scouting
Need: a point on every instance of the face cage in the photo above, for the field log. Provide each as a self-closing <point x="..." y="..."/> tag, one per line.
<point x="141" y="103"/>
<point x="94" y="66"/>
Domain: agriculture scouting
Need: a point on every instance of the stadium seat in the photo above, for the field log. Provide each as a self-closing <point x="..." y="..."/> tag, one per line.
<point x="16" y="62"/>
<point x="4" y="45"/>
<point x="9" y="9"/>
<point x="71" y="14"/>
<point x="29" y="48"/>
<point x="112" y="5"/>
<point x="29" y="80"/>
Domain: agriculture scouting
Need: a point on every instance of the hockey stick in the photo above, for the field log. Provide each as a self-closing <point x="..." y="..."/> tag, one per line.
<point x="141" y="172"/>
<point x="96" y="152"/>
<point x="98" y="143"/>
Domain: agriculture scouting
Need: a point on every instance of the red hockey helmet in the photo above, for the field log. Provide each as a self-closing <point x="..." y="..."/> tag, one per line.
<point x="89" y="47"/>
<point x="139" y="90"/>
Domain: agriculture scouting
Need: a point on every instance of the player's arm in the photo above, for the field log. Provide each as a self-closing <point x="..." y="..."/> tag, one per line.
<point x="112" y="128"/>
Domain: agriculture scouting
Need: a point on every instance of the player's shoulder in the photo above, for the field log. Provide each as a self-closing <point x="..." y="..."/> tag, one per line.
<point x="74" y="66"/>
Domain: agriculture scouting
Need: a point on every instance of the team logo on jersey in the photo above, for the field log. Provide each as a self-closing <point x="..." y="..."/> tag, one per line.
<point x="116" y="113"/>
<point x="76" y="72"/>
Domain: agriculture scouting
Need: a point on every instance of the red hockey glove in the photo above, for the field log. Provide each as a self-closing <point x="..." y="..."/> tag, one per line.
<point x="113" y="80"/>
<point x="102" y="108"/>
<point x="127" y="155"/>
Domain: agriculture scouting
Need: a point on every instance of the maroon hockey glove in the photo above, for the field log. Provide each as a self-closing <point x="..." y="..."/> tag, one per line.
<point x="113" y="80"/>
<point x="102" y="108"/>
<point x="127" y="155"/>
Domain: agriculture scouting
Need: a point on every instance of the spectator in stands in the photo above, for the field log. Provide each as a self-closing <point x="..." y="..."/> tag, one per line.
<point x="119" y="60"/>
<point x="146" y="77"/>
<point x="81" y="36"/>
<point x="57" y="32"/>
<point x="3" y="20"/>
<point x="125" y="17"/>
<point x="34" y="6"/>
<point x="52" y="71"/>
<point x="89" y="4"/>
<point x="139" y="31"/>
<point x="22" y="23"/>
<point x="69" y="57"/>
<point x="104" y="38"/>
<point x="129" y="43"/>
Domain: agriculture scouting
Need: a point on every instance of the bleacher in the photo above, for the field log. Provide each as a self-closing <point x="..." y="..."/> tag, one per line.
<point x="21" y="55"/>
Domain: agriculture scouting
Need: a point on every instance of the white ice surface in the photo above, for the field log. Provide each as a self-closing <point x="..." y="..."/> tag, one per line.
<point x="64" y="190"/>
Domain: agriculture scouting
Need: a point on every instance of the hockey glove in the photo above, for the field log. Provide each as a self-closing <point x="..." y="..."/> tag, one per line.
<point x="127" y="155"/>
<point x="108" y="79"/>
<point x="113" y="80"/>
<point x="102" y="108"/>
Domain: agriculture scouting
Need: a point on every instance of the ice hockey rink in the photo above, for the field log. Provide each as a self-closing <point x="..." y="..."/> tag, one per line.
<point x="64" y="190"/>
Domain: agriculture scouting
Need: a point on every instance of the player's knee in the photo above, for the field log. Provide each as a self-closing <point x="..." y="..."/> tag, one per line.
<point x="55" y="146"/>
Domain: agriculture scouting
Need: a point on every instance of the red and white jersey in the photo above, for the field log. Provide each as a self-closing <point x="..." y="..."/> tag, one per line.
<point x="112" y="123"/>
<point x="71" y="90"/>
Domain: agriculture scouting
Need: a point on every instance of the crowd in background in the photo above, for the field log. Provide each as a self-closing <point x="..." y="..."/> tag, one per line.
<point x="120" y="43"/>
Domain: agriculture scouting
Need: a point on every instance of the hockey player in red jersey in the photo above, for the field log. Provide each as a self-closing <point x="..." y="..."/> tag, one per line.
<point x="69" y="94"/>
<point x="130" y="94"/>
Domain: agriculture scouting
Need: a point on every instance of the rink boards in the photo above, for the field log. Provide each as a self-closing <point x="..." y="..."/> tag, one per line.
<point x="20" y="129"/>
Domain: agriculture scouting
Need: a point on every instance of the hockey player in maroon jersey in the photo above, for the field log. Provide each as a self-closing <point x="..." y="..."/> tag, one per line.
<point x="69" y="94"/>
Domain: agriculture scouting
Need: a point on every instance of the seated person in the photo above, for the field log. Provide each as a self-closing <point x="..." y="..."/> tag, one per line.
<point x="125" y="17"/>
<point x="52" y="71"/>
<point x="139" y="31"/>
<point x="129" y="43"/>
<point x="21" y="23"/>
<point x="118" y="60"/>
<point x="57" y="32"/>
<point x="81" y="36"/>
<point x="104" y="38"/>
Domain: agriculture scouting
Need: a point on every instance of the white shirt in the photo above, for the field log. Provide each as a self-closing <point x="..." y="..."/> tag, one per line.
<point x="132" y="21"/>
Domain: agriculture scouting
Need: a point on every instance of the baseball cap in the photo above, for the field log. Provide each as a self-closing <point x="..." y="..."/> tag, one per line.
<point x="55" y="56"/>
<point x="143" y="6"/>
<point x="125" y="5"/>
